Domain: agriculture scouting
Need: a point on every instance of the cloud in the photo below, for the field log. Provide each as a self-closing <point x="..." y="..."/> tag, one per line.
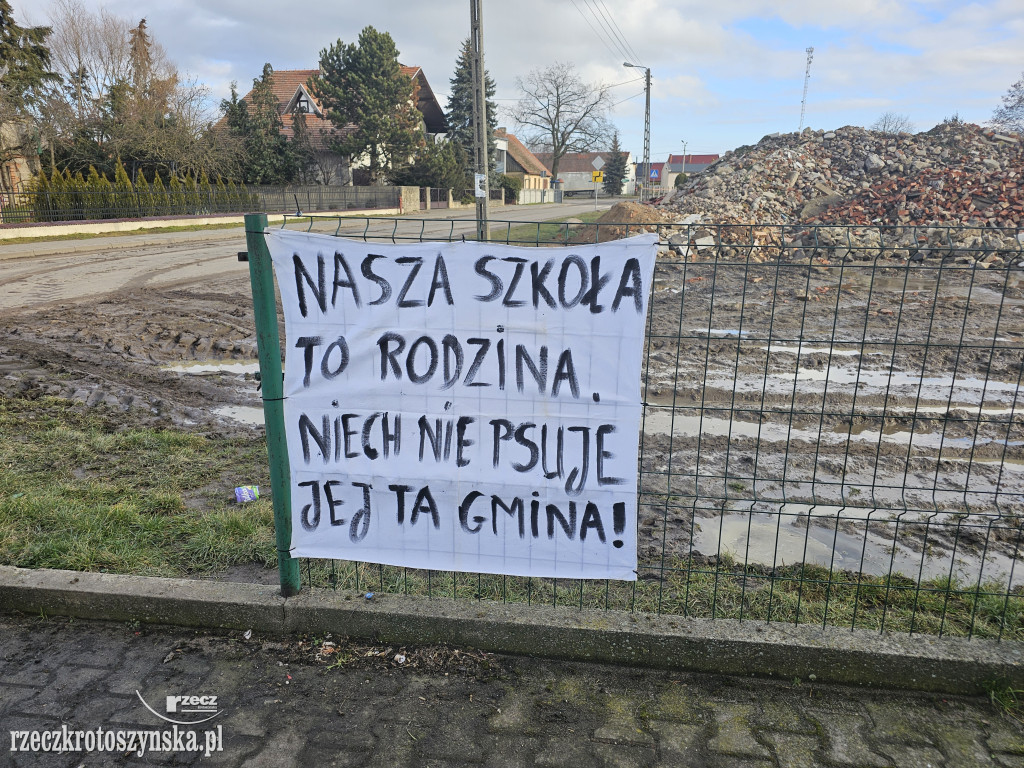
<point x="724" y="70"/>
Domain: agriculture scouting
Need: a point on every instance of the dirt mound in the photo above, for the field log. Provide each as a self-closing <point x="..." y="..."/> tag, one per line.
<point x="632" y="213"/>
<point x="623" y="220"/>
<point x="954" y="174"/>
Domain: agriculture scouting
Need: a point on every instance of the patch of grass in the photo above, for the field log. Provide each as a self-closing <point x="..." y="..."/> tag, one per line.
<point x="140" y="231"/>
<point x="1007" y="699"/>
<point x="553" y="231"/>
<point x="694" y="588"/>
<point x="79" y="492"/>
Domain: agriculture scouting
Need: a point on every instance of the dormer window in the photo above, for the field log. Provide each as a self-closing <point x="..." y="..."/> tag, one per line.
<point x="302" y="105"/>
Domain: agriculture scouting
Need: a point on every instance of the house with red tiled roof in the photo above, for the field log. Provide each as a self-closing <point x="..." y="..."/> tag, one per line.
<point x="575" y="169"/>
<point x="687" y="163"/>
<point x="514" y="159"/>
<point x="291" y="87"/>
<point x="655" y="175"/>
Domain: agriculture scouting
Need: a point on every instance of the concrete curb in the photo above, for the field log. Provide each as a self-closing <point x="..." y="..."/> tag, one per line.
<point x="116" y="243"/>
<point x="725" y="647"/>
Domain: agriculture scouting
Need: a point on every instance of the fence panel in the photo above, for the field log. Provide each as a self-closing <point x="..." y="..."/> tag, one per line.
<point x="68" y="205"/>
<point x="833" y="432"/>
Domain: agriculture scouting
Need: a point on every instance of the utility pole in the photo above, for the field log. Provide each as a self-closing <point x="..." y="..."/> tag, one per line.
<point x="645" y="184"/>
<point x="807" y="79"/>
<point x="482" y="190"/>
<point x="684" y="156"/>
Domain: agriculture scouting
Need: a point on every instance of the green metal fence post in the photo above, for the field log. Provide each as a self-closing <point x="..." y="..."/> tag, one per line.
<point x="269" y="344"/>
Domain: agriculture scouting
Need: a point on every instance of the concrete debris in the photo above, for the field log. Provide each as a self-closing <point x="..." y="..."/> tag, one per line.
<point x="955" y="192"/>
<point x="953" y="175"/>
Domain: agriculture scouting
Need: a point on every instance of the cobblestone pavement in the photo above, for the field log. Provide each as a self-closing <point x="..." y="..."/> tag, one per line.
<point x="325" y="702"/>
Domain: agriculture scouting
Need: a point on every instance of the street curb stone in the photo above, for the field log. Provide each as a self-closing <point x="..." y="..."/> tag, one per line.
<point x="730" y="647"/>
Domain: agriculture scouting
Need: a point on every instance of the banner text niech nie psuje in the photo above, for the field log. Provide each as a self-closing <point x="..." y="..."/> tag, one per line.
<point x="464" y="406"/>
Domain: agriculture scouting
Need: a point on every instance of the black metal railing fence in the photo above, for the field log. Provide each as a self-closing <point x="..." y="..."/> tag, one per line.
<point x="833" y="430"/>
<point x="66" y="205"/>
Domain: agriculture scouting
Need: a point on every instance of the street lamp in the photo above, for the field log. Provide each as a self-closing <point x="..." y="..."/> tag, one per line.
<point x="647" y="128"/>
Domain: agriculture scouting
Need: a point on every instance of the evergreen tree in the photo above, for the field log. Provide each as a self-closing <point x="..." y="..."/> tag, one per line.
<point x="222" y="196"/>
<point x="193" y="201"/>
<point x="235" y="197"/>
<point x="140" y="59"/>
<point x="145" y="195"/>
<point x="161" y="203"/>
<point x="75" y="188"/>
<point x="92" y="200"/>
<point x="460" y="107"/>
<point x="300" y="150"/>
<point x="615" y="168"/>
<point x="24" y="54"/>
<point x="363" y="90"/>
<point x="266" y="147"/>
<point x="42" y="203"/>
<point x="436" y="165"/>
<point x="124" y="201"/>
<point x="106" y="200"/>
<point x="206" y="192"/>
<point x="59" y="199"/>
<point x="175" y="196"/>
<point x="235" y="112"/>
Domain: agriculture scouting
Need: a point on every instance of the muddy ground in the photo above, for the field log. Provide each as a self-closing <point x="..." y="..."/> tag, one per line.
<point x="761" y="438"/>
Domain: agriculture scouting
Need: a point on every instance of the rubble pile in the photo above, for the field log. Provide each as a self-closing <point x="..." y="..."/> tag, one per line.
<point x="954" y="174"/>
<point x="900" y="193"/>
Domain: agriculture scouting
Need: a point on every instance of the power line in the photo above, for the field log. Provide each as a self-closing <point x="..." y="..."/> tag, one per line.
<point x="607" y="29"/>
<point x="599" y="35"/>
<point x="626" y="82"/>
<point x="628" y="98"/>
<point x="618" y="32"/>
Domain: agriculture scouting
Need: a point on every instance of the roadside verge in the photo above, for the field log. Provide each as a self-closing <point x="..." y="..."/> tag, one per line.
<point x="724" y="647"/>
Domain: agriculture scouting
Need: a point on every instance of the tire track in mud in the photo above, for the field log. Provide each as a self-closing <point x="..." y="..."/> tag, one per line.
<point x="80" y="277"/>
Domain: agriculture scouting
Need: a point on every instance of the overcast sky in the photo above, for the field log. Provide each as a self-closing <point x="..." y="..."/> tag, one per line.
<point x="724" y="73"/>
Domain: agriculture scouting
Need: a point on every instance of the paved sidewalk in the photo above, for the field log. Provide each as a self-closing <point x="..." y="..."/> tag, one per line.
<point x="304" y="702"/>
<point x="155" y="238"/>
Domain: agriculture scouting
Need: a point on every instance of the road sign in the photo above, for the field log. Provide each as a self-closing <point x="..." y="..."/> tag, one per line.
<point x="598" y="176"/>
<point x="654" y="173"/>
<point x="598" y="163"/>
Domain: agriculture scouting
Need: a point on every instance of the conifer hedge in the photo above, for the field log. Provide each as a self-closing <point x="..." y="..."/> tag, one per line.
<point x="63" y="197"/>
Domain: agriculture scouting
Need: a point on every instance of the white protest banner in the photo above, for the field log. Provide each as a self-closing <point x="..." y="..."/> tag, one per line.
<point x="464" y="406"/>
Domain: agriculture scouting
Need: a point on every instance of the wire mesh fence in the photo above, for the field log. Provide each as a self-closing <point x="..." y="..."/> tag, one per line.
<point x="45" y="205"/>
<point x="832" y="429"/>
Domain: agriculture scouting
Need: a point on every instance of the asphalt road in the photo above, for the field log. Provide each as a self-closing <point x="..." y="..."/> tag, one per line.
<point x="40" y="274"/>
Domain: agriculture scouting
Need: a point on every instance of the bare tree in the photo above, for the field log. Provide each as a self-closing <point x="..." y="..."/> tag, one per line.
<point x="1010" y="116"/>
<point x="893" y="123"/>
<point x="560" y="112"/>
<point x="90" y="52"/>
<point x="121" y="96"/>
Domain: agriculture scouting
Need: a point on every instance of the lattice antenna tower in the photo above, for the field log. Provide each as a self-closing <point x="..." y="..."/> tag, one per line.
<point x="807" y="79"/>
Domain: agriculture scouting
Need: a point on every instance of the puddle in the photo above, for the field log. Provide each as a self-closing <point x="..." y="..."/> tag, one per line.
<point x="896" y="379"/>
<point x="767" y="538"/>
<point x="720" y="333"/>
<point x="807" y="349"/>
<point x="201" y="367"/>
<point x="926" y="286"/>
<point x="661" y="422"/>
<point x="246" y="414"/>
<point x="964" y="391"/>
